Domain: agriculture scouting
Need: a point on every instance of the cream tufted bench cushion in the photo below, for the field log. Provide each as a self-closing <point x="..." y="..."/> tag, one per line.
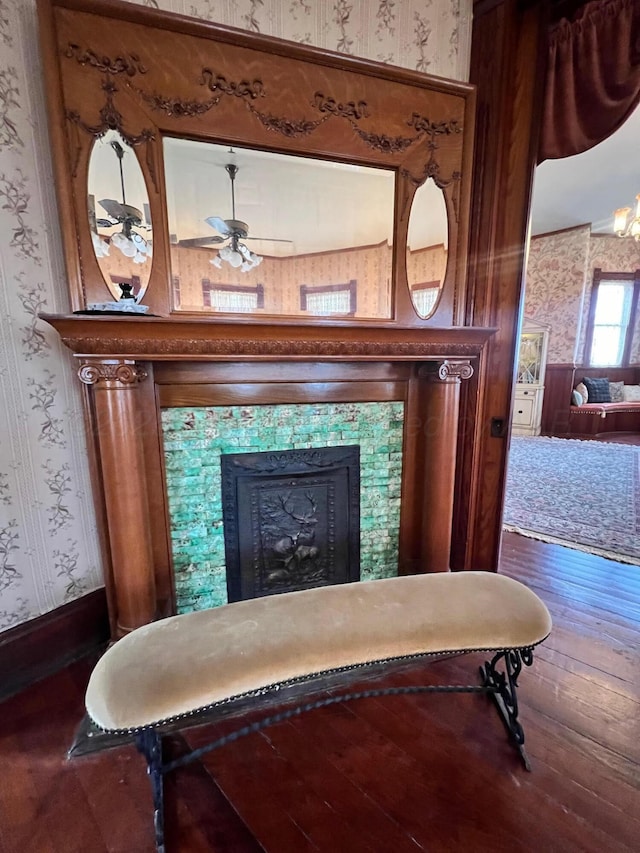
<point x="177" y="665"/>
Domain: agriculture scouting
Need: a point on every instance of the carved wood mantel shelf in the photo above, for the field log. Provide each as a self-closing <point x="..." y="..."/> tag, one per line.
<point x="133" y="367"/>
<point x="160" y="339"/>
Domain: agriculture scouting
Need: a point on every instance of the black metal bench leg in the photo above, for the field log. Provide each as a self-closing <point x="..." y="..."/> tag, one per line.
<point x="149" y="743"/>
<point x="501" y="686"/>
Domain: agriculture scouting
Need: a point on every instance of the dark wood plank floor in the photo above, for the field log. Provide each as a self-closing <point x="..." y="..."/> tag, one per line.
<point x="395" y="774"/>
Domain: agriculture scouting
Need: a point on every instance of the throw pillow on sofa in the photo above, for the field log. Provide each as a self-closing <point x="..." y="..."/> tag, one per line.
<point x="631" y="393"/>
<point x="576" y="398"/>
<point x="581" y="388"/>
<point x="615" y="392"/>
<point x="598" y="389"/>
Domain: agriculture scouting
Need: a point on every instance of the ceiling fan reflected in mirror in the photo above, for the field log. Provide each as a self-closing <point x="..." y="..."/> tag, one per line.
<point x="130" y="242"/>
<point x="235" y="252"/>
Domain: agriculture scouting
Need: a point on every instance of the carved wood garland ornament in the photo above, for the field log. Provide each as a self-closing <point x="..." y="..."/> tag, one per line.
<point x="129" y="65"/>
<point x="251" y="90"/>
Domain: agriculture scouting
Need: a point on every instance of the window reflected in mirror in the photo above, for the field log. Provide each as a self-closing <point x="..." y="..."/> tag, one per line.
<point x="427" y="247"/>
<point x="119" y="218"/>
<point x="331" y="299"/>
<point x="253" y="221"/>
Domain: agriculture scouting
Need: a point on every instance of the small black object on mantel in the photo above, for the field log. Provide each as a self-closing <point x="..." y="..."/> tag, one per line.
<point x="126" y="289"/>
<point x="126" y="305"/>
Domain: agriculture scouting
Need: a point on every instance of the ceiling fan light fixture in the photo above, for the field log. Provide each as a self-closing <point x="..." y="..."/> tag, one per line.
<point x="238" y="256"/>
<point x="100" y="246"/>
<point x="124" y="244"/>
<point x="235" y="253"/>
<point x="129" y="242"/>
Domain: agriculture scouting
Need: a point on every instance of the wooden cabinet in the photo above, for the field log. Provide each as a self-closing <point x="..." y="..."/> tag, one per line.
<point x="529" y="391"/>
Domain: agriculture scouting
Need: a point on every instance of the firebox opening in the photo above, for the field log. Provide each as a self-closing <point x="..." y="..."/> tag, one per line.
<point x="291" y="519"/>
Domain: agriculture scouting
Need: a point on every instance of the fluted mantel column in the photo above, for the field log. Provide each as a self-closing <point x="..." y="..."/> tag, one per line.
<point x="441" y="412"/>
<point x="115" y="384"/>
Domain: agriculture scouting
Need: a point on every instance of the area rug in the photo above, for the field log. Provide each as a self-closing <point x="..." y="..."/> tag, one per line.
<point x="582" y="494"/>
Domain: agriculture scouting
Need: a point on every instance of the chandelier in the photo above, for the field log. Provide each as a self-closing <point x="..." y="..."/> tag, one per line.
<point x="625" y="226"/>
<point x="128" y="241"/>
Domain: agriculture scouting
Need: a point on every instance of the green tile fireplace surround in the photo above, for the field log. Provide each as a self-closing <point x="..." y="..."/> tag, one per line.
<point x="195" y="438"/>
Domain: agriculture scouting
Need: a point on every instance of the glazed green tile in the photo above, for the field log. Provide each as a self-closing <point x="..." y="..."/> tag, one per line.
<point x="194" y="440"/>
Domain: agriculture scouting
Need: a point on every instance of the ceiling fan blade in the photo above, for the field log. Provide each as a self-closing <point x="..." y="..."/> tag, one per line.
<point x="113" y="208"/>
<point x="201" y="241"/>
<point x="105" y="223"/>
<point x="269" y="239"/>
<point x="121" y="212"/>
<point x="219" y="224"/>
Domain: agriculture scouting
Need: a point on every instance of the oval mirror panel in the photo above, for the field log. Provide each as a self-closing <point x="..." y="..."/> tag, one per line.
<point x="255" y="231"/>
<point x="119" y="217"/>
<point x="427" y="247"/>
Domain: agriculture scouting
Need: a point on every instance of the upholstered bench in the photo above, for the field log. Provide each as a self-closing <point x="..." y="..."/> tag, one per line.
<point x="182" y="670"/>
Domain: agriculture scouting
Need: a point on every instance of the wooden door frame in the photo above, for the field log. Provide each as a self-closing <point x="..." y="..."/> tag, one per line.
<point x="508" y="60"/>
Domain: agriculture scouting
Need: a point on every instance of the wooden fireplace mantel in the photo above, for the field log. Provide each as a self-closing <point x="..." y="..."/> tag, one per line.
<point x="132" y="367"/>
<point x="169" y="339"/>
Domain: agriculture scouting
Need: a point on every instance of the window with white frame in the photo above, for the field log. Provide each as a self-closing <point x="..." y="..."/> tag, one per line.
<point x="614" y="300"/>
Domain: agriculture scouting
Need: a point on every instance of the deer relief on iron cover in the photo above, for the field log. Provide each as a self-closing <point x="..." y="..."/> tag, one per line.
<point x="288" y="534"/>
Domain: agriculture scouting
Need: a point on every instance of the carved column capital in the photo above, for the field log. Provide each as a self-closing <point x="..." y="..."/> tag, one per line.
<point x="449" y="370"/>
<point x="111" y="373"/>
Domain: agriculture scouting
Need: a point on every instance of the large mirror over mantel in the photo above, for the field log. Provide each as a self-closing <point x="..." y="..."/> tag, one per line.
<point x="350" y="183"/>
<point x="259" y="231"/>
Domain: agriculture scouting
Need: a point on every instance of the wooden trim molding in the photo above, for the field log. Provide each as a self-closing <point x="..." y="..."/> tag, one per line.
<point x="161" y="339"/>
<point x="43" y="645"/>
<point x="508" y="56"/>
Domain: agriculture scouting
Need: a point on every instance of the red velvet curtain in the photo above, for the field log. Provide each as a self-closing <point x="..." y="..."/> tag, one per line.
<point x="593" y="77"/>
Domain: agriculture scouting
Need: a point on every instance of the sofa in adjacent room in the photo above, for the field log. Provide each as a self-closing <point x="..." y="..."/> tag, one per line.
<point x="602" y="405"/>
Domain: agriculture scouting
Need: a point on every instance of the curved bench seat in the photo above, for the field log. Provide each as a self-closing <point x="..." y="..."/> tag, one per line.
<point x="184" y="663"/>
<point x="182" y="667"/>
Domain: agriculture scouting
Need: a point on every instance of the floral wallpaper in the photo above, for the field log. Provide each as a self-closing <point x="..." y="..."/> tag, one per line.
<point x="558" y="285"/>
<point x="428" y="36"/>
<point x="555" y="288"/>
<point x="281" y="278"/>
<point x="49" y="550"/>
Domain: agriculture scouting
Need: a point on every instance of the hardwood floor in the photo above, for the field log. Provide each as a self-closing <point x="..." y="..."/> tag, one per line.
<point x="396" y="774"/>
